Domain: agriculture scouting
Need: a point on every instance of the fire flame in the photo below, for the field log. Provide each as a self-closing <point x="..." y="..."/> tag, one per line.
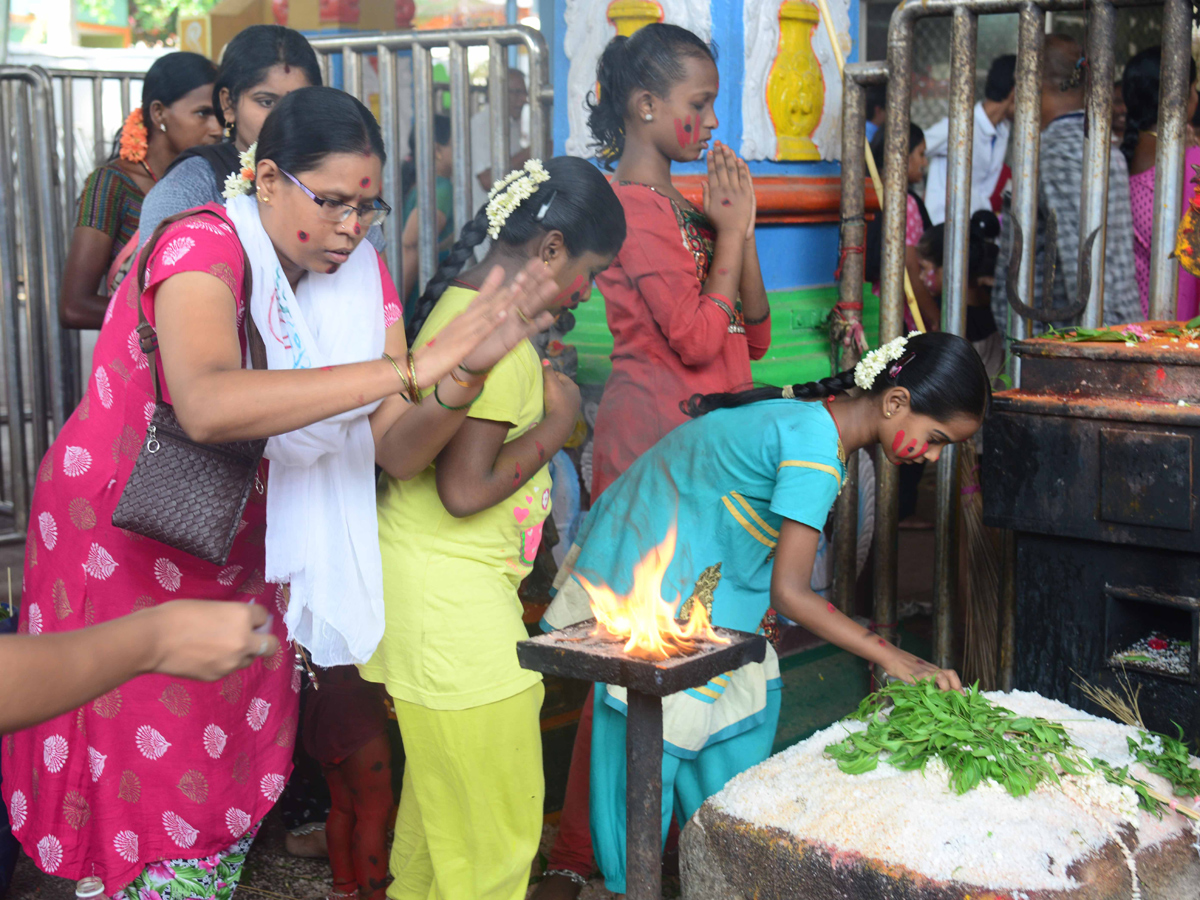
<point x="643" y="618"/>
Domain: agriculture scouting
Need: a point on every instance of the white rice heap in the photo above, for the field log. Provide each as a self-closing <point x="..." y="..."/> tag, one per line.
<point x="985" y="837"/>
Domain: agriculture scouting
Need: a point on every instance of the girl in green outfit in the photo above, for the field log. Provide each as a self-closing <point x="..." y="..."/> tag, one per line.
<point x="458" y="538"/>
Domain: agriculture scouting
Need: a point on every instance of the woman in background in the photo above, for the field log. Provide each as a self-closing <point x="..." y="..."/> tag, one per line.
<point x="1140" y="89"/>
<point x="176" y="114"/>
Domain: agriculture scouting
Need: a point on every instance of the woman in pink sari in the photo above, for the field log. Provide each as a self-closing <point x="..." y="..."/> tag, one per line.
<point x="157" y="787"/>
<point x="1139" y="87"/>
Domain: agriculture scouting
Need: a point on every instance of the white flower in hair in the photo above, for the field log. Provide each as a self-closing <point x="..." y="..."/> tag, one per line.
<point x="876" y="361"/>
<point x="511" y="191"/>
<point x="239" y="182"/>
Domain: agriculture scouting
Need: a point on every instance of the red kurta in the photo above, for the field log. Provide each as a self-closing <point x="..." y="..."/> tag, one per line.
<point x="670" y="339"/>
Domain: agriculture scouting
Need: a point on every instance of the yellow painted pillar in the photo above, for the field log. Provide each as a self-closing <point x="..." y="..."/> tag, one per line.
<point x="795" y="87"/>
<point x="630" y="15"/>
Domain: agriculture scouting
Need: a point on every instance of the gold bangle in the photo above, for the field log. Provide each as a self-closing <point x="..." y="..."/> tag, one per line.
<point x="413" y="390"/>
<point x="520" y="315"/>
<point x="455" y="379"/>
<point x="404" y="385"/>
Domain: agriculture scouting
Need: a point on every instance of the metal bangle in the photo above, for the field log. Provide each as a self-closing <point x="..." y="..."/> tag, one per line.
<point x="451" y="408"/>
<point x="454" y="378"/>
<point x="567" y="873"/>
<point x="405" y="387"/>
<point x="413" y="390"/>
<point x="476" y="373"/>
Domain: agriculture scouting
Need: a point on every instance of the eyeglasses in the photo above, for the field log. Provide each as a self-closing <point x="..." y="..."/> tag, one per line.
<point x="337" y="211"/>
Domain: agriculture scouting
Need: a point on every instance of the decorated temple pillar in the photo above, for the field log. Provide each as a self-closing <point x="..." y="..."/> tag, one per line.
<point x="780" y="107"/>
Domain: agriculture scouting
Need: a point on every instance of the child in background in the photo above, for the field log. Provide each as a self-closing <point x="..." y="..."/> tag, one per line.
<point x="345" y="730"/>
<point x="983" y="251"/>
<point x="684" y="299"/>
<point x="458" y="538"/>
<point x="748" y="485"/>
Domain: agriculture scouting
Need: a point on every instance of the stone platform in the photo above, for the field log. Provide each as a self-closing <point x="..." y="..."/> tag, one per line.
<point x="796" y="827"/>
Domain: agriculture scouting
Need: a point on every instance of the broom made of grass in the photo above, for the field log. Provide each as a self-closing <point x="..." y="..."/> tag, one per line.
<point x="982" y="601"/>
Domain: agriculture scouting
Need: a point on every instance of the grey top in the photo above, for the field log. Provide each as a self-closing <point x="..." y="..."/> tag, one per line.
<point x="191" y="184"/>
<point x="1060" y="185"/>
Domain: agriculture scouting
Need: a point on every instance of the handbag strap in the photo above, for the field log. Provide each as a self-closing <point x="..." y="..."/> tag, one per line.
<point x="148" y="338"/>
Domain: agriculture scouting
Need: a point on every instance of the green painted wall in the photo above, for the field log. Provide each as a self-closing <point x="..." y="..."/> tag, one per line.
<point x="799" y="345"/>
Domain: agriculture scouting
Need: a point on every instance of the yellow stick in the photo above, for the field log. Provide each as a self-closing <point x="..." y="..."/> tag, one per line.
<point x="827" y="18"/>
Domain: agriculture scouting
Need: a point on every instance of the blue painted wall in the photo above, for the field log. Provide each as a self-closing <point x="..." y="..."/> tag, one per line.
<point x="792" y="256"/>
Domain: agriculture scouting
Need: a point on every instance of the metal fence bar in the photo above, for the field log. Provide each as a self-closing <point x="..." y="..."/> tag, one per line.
<point x="394" y="45"/>
<point x="954" y="312"/>
<point x="17" y="485"/>
<point x="100" y="148"/>
<point x="1102" y="33"/>
<point x="498" y="108"/>
<point x="1026" y="144"/>
<point x="460" y="136"/>
<point x="1169" y="176"/>
<point x="850" y="292"/>
<point x="426" y="180"/>
<point x="389" y="109"/>
<point x="891" y="305"/>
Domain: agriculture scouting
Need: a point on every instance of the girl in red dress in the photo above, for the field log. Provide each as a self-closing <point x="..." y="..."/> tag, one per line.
<point x="684" y="298"/>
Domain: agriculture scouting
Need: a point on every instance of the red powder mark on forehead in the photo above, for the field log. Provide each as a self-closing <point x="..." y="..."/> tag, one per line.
<point x="366" y="182"/>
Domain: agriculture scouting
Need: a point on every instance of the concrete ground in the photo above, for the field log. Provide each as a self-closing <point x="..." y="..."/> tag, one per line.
<point x="273" y="875"/>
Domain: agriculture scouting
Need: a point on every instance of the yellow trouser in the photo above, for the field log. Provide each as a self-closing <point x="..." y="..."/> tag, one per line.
<point x="471" y="807"/>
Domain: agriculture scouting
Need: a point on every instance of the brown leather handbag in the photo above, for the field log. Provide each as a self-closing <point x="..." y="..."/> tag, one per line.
<point x="188" y="495"/>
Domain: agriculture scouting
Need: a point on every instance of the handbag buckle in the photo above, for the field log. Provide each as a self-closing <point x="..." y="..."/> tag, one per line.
<point x="152" y="444"/>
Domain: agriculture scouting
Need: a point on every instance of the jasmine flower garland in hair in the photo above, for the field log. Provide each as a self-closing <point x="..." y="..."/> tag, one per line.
<point x="238" y="183"/>
<point x="876" y="361"/>
<point x="511" y="192"/>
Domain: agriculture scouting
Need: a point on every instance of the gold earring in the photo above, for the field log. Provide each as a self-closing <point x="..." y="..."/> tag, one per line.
<point x="546" y="263"/>
<point x="265" y="199"/>
<point x="228" y="131"/>
<point x="887" y="415"/>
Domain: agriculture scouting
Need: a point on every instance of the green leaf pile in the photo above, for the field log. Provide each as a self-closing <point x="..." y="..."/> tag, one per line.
<point x="974" y="737"/>
<point x="977" y="739"/>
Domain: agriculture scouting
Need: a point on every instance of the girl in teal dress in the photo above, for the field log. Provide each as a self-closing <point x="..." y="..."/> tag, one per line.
<point x="750" y="483"/>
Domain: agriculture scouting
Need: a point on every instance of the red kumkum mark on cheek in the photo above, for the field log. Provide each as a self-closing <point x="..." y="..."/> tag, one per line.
<point x="908" y="451"/>
<point x="357" y="228"/>
<point x="303" y="235"/>
<point x="685" y="131"/>
<point x="366" y="182"/>
<point x="923" y="448"/>
<point x="898" y="441"/>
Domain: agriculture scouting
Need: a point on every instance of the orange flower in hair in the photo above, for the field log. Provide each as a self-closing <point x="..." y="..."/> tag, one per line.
<point x="133" y="137"/>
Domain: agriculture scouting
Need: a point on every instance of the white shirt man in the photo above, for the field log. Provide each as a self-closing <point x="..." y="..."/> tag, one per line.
<point x="991" y="126"/>
<point x="481" y="140"/>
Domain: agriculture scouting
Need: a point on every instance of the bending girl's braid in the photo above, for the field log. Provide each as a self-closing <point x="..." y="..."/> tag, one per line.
<point x="699" y="404"/>
<point x="473" y="234"/>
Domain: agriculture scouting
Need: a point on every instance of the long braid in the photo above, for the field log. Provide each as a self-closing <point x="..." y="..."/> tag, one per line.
<point x="473" y="234"/>
<point x="699" y="404"/>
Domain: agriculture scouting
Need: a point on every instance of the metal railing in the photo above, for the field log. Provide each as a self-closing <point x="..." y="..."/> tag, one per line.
<point x="31" y="257"/>
<point x="1026" y="141"/>
<point x="396" y="50"/>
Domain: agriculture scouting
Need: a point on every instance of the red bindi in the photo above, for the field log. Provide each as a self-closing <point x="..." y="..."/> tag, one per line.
<point x="303" y="235"/>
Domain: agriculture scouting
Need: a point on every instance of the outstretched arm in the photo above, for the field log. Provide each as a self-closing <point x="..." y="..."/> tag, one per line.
<point x="792" y="595"/>
<point x="50" y="674"/>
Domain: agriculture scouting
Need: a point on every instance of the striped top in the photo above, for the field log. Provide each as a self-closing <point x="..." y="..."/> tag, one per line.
<point x="111" y="202"/>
